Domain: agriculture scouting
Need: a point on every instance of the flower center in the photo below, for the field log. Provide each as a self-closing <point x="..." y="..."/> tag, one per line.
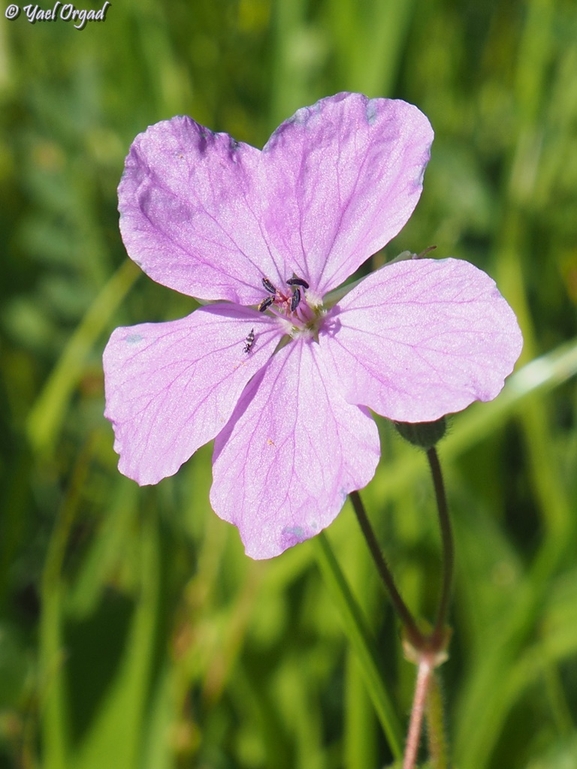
<point x="294" y="304"/>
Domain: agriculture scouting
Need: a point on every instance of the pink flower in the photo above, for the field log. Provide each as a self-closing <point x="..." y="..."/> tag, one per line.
<point x="280" y="375"/>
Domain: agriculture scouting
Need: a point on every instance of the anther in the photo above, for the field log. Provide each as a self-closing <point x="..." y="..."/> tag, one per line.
<point x="266" y="303"/>
<point x="296" y="298"/>
<point x="269" y="286"/>
<point x="297" y="282"/>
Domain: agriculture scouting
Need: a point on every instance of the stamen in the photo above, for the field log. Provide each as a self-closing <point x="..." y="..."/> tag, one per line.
<point x="265" y="304"/>
<point x="296" y="299"/>
<point x="269" y="286"/>
<point x="297" y="282"/>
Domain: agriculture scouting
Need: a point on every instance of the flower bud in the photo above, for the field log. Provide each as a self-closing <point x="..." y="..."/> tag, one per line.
<point x="422" y="434"/>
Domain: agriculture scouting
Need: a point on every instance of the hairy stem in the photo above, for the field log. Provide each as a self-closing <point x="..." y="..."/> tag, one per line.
<point x="413" y="633"/>
<point x="437" y="739"/>
<point x="447" y="541"/>
<point x="424" y="673"/>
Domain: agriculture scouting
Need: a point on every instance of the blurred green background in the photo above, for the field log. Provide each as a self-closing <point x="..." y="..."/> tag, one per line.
<point x="134" y="633"/>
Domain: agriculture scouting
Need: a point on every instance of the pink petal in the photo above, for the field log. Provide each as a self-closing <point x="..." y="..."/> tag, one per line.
<point x="344" y="177"/>
<point x="290" y="454"/>
<point x="422" y="338"/>
<point x="209" y="216"/>
<point x="186" y="201"/>
<point x="171" y="387"/>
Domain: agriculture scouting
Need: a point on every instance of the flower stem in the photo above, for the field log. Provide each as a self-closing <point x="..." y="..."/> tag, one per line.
<point x="424" y="673"/>
<point x="413" y="633"/>
<point x="427" y="650"/>
<point x="447" y="541"/>
<point x="437" y="739"/>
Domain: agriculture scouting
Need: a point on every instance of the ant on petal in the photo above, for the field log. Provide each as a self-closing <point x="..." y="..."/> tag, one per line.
<point x="249" y="341"/>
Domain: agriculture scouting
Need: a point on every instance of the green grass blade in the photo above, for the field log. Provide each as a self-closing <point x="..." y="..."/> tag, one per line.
<point x="47" y="414"/>
<point x="361" y="642"/>
<point x="118" y="728"/>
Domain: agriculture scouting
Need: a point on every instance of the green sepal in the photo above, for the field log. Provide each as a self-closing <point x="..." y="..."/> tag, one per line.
<point x="422" y="434"/>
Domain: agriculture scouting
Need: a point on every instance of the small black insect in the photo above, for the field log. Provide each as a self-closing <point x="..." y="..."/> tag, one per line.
<point x="269" y="286"/>
<point x="265" y="304"/>
<point x="297" y="282"/>
<point x="249" y="341"/>
<point x="296" y="299"/>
